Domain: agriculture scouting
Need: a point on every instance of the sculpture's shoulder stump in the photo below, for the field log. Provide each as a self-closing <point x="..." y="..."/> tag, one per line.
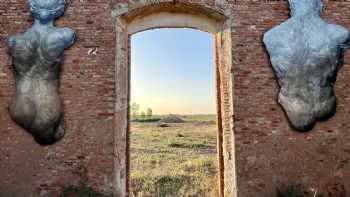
<point x="54" y="43"/>
<point x="269" y="36"/>
<point x="68" y="35"/>
<point x="338" y="33"/>
<point x="278" y="36"/>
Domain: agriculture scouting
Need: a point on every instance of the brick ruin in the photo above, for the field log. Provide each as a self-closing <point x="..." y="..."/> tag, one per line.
<point x="259" y="152"/>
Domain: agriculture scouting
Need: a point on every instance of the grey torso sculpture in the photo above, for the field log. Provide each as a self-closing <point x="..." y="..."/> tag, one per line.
<point x="306" y="53"/>
<point x="37" y="55"/>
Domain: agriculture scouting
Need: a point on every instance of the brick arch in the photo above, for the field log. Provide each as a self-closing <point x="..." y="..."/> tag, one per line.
<point x="177" y="15"/>
<point x="172" y="20"/>
<point x="129" y="20"/>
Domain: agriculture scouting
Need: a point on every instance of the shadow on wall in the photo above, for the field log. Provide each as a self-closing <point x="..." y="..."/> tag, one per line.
<point x="297" y="190"/>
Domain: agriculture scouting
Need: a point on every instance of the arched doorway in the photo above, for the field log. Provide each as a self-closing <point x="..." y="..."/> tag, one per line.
<point x="162" y="15"/>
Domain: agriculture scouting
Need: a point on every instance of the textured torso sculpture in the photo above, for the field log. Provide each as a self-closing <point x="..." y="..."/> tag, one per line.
<point x="306" y="54"/>
<point x="37" y="55"/>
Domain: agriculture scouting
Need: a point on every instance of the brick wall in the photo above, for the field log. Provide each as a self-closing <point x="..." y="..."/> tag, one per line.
<point x="268" y="153"/>
<point x="87" y="90"/>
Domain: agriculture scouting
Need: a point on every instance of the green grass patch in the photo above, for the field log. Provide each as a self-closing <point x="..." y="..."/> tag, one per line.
<point x="190" y="146"/>
<point x="147" y="120"/>
<point x="174" y="161"/>
<point x="161" y="185"/>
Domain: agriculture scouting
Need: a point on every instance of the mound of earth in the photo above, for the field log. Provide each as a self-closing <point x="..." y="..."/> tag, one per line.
<point x="172" y="119"/>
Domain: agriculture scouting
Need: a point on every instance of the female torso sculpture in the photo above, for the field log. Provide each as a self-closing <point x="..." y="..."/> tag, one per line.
<point x="37" y="56"/>
<point x="306" y="54"/>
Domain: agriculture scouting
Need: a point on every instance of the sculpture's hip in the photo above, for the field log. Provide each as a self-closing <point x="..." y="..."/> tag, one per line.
<point x="38" y="108"/>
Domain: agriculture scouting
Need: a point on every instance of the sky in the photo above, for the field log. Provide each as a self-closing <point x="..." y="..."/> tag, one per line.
<point x="172" y="71"/>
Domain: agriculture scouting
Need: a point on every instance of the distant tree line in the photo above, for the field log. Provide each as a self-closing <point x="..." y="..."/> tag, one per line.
<point x="135" y="111"/>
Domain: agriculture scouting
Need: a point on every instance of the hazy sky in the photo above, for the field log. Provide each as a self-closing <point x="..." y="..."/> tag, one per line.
<point x="172" y="71"/>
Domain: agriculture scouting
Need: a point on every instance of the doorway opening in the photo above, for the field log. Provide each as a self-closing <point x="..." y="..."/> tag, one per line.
<point x="172" y="120"/>
<point x="131" y="20"/>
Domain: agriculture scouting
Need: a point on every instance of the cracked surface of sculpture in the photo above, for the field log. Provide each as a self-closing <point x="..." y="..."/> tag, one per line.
<point x="37" y="56"/>
<point x="306" y="53"/>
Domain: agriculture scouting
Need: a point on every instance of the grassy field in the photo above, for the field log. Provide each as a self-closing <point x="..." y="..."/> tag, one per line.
<point x="175" y="161"/>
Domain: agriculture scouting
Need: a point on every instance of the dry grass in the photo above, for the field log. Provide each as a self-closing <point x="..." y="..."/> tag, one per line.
<point x="179" y="160"/>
